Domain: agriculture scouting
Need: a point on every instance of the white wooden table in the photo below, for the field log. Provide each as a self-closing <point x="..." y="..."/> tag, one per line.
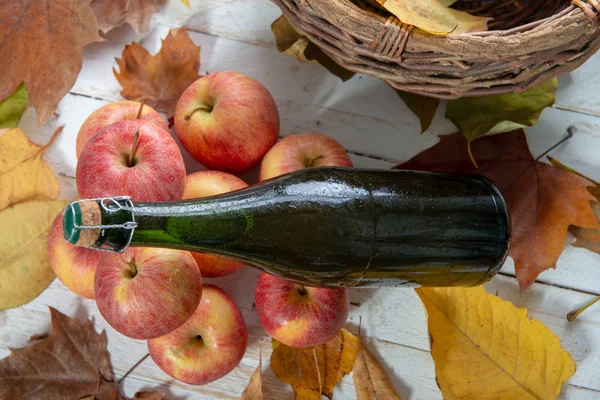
<point x="378" y="130"/>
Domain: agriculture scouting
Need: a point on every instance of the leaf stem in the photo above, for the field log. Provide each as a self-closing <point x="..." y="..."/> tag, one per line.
<point x="54" y="136"/>
<point x="200" y="108"/>
<point x="569" y="136"/>
<point x="575" y="313"/>
<point x="132" y="368"/>
<point x="318" y="371"/>
<point x="471" y="154"/>
<point x="136" y="137"/>
<point x="139" y="114"/>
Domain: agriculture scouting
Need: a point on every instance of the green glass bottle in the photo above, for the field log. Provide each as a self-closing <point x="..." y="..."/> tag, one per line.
<point x="327" y="226"/>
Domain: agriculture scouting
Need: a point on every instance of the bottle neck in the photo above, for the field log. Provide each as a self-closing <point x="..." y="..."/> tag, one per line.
<point x="114" y="224"/>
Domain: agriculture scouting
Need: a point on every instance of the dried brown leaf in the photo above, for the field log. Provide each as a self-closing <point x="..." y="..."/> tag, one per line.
<point x="254" y="389"/>
<point x="42" y="44"/>
<point x="370" y="379"/>
<point x="161" y="79"/>
<point x="115" y="13"/>
<point x="72" y="362"/>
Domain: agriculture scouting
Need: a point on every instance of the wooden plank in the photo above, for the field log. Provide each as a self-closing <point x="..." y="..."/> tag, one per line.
<point x="393" y="316"/>
<point x="243" y="20"/>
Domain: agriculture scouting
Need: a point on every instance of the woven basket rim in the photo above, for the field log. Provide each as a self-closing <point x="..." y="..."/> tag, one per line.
<point x="453" y="65"/>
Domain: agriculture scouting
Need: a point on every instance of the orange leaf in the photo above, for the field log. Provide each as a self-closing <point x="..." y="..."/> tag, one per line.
<point x="370" y="379"/>
<point x="114" y="13"/>
<point x="586" y="238"/>
<point x="159" y="80"/>
<point x="312" y="378"/>
<point x="543" y="200"/>
<point x="42" y="44"/>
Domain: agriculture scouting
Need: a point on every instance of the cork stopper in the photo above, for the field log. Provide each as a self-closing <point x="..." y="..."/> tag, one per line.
<point x="86" y="213"/>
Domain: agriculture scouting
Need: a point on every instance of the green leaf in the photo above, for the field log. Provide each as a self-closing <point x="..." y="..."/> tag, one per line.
<point x="480" y="116"/>
<point x="12" y="108"/>
<point x="422" y="106"/>
<point x="290" y="42"/>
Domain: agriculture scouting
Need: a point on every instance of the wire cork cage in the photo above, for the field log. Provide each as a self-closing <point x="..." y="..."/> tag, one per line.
<point x="528" y="41"/>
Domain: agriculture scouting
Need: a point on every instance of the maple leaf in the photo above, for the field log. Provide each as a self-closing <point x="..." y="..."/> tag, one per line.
<point x="115" y="13"/>
<point x="70" y="363"/>
<point x="486" y="348"/>
<point x="370" y="379"/>
<point x="23" y="174"/>
<point x="543" y="200"/>
<point x="42" y="44"/>
<point x="314" y="371"/>
<point x="161" y="79"/>
<point x="586" y="238"/>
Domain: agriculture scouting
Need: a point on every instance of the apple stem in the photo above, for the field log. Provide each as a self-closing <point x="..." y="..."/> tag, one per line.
<point x="139" y="114"/>
<point x="131" y="161"/>
<point x="575" y="313"/>
<point x="200" y="108"/>
<point x="301" y="290"/>
<point x="132" y="268"/>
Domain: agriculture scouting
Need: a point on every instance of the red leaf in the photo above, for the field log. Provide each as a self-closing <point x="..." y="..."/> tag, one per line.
<point x="543" y="200"/>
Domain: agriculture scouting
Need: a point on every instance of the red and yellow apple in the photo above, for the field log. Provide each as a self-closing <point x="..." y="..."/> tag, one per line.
<point x="75" y="266"/>
<point x="227" y="121"/>
<point x="208" y="345"/>
<point x="112" y="163"/>
<point x="210" y="183"/>
<point x="297" y="315"/>
<point x="146" y="292"/>
<point x="303" y="150"/>
<point x="114" y="112"/>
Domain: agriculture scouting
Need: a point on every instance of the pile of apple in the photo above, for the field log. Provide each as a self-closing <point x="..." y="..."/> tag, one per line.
<point x="196" y="333"/>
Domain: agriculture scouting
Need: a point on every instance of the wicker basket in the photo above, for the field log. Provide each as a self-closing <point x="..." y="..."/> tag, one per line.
<point x="529" y="41"/>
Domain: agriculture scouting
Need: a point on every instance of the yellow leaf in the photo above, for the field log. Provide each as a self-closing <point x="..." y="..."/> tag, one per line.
<point x="254" y="389"/>
<point x="370" y="379"/>
<point x="434" y="16"/>
<point x="23" y="174"/>
<point x="186" y="3"/>
<point x="299" y="366"/>
<point x="486" y="348"/>
<point x="24" y="267"/>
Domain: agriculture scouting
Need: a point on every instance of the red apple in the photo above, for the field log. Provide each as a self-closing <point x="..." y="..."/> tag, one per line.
<point x="227" y="121"/>
<point x="110" y="164"/>
<point x="208" y="346"/>
<point x="297" y="315"/>
<point x="210" y="183"/>
<point x="73" y="265"/>
<point x="303" y="150"/>
<point x="145" y="293"/>
<point x="114" y="112"/>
